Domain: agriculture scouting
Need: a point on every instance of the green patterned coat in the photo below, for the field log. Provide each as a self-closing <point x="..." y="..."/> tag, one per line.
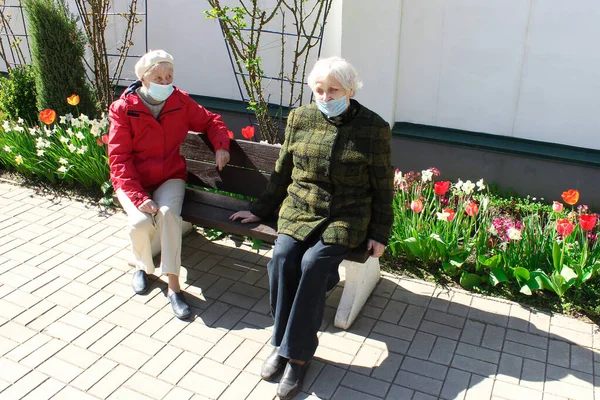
<point x="335" y="178"/>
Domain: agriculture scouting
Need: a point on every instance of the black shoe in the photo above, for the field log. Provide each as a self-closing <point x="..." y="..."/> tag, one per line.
<point x="180" y="307"/>
<point x="291" y="381"/>
<point x="273" y="365"/>
<point x="140" y="282"/>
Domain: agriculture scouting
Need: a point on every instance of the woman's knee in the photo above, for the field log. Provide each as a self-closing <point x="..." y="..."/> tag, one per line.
<point x="140" y="222"/>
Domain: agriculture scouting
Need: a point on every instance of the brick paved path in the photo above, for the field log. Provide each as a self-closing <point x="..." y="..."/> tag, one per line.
<point x="71" y="328"/>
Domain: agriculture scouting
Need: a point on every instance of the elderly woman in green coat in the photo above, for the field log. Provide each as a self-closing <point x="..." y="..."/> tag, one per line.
<point x="333" y="186"/>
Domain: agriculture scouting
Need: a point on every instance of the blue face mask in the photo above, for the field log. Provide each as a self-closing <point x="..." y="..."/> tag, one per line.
<point x="333" y="108"/>
<point x="160" y="92"/>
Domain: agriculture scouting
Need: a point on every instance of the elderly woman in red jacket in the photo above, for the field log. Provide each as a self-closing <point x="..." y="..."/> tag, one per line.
<point x="148" y="124"/>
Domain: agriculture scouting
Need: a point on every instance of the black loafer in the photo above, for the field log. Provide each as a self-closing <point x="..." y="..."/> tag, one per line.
<point x="180" y="307"/>
<point x="291" y="381"/>
<point x="273" y="365"/>
<point x="140" y="282"/>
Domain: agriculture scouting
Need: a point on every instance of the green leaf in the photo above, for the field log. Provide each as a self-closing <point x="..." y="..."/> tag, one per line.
<point x="522" y="274"/>
<point x="106" y="187"/>
<point x="556" y="256"/>
<point x="469" y="280"/>
<point x="449" y="268"/>
<point x="568" y="273"/>
<point x="414" y="246"/>
<point x="497" y="275"/>
<point x="491" y="262"/>
<point x="525" y="289"/>
<point x="256" y="244"/>
<point x="544" y="281"/>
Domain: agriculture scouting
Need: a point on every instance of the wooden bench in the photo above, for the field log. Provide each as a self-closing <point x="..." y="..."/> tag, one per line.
<point x="247" y="174"/>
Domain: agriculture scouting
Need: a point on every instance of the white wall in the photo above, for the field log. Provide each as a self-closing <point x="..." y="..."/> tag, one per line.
<point x="520" y="68"/>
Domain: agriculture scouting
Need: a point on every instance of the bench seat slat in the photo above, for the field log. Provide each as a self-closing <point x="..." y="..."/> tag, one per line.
<point x="234" y="180"/>
<point x="243" y="153"/>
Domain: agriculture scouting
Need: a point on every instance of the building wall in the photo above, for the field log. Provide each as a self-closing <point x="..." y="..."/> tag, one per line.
<point x="518" y="68"/>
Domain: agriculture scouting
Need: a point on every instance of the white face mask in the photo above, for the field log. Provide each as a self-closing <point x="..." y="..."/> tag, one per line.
<point x="160" y="92"/>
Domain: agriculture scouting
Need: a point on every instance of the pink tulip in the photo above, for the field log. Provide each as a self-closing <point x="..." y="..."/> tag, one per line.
<point x="557" y="207"/>
<point x="416" y="206"/>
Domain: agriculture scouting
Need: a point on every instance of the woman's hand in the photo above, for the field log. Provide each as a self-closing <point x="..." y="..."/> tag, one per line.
<point x="245" y="216"/>
<point x="221" y="158"/>
<point x="148" y="207"/>
<point x="375" y="248"/>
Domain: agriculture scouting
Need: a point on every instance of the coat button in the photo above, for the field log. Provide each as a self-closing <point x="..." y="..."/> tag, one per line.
<point x="327" y="198"/>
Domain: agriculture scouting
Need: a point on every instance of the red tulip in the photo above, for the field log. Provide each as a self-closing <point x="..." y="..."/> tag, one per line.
<point x="570" y="197"/>
<point x="248" y="132"/>
<point x="472" y="209"/>
<point x="564" y="227"/>
<point x="231" y="136"/>
<point x="47" y="116"/>
<point x="440" y="188"/>
<point x="416" y="206"/>
<point x="451" y="212"/>
<point x="557" y="207"/>
<point x="588" y="221"/>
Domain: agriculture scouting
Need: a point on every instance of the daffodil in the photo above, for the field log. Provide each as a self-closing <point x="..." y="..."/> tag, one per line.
<point x="40" y="152"/>
<point x="62" y="169"/>
<point x="513" y="233"/>
<point x="80" y="136"/>
<point x="480" y="185"/>
<point x="468" y="187"/>
<point x="426" y="175"/>
<point x="19" y="159"/>
<point x="39" y="142"/>
<point x="7" y="149"/>
<point x="20" y="120"/>
<point x="6" y="126"/>
<point x="64" y="139"/>
<point x="69" y="132"/>
<point x="33" y="131"/>
<point x="82" y="150"/>
<point x="63" y="161"/>
<point x="72" y="148"/>
<point x="19" y="128"/>
<point x="458" y="185"/>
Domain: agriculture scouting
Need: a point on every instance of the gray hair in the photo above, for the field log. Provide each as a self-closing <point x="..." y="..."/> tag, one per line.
<point x="157" y="65"/>
<point x="338" y="68"/>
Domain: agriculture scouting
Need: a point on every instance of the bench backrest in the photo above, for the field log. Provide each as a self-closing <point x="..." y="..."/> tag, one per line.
<point x="248" y="170"/>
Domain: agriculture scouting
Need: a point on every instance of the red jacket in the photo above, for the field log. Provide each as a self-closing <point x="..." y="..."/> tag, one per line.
<point x="143" y="152"/>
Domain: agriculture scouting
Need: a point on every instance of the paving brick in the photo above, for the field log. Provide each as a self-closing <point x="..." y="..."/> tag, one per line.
<point x="154" y="323"/>
<point x="530" y="339"/>
<point x="493" y="337"/>
<point x="445" y="319"/>
<point x="11" y="371"/>
<point x="422" y="345"/>
<point x="455" y="385"/>
<point x="202" y="384"/>
<point x="77" y="356"/>
<point x="487" y="317"/>
<point x="16" y="332"/>
<point x="43" y="353"/>
<point x="225" y="347"/>
<point x="23" y="386"/>
<point x="539" y="323"/>
<point x="178" y="393"/>
<point x="108" y="341"/>
<point x="230" y="318"/>
<point x="440" y="330"/>
<point x="63" y="331"/>
<point x="339" y="343"/>
<point x="519" y="349"/>
<point x="111" y="381"/>
<point x="170" y="330"/>
<point x="412" y="317"/>
<point x="509" y="369"/>
<point x="425" y="368"/>
<point x="92" y="302"/>
<point x="473" y="366"/>
<point x="393" y="312"/>
<point x="251" y="332"/>
<point x="327" y="381"/>
<point x="389" y="364"/>
<point x="365" y="384"/>
<point x="582" y="359"/>
<point x="569" y="376"/>
<point x="533" y="374"/>
<point x="418" y="382"/>
<point x="127" y="356"/>
<point x="243" y="354"/>
<point x="161" y="360"/>
<point x="21" y="351"/>
<point x="387" y="342"/>
<point x="93" y="374"/>
<point x="59" y="369"/>
<point x="179" y="368"/>
<point x="472" y="332"/>
<point x="191" y="343"/>
<point x="148" y="386"/>
<point x="399" y="393"/>
<point x="93" y="334"/>
<point x="561" y="388"/>
<point x="204" y="332"/>
<point x="48" y="318"/>
<point x="263" y="391"/>
<point x="443" y="350"/>
<point x="478" y="353"/>
<point x="343" y="393"/>
<point x="514" y="392"/>
<point x="241" y="387"/>
<point x="480" y="387"/>
<point x="46" y="390"/>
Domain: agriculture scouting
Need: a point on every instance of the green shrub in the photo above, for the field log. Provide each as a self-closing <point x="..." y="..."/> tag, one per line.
<point x="57" y="49"/>
<point x="18" y="95"/>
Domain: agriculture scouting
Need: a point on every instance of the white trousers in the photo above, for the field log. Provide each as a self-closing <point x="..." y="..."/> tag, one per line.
<point x="166" y="222"/>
